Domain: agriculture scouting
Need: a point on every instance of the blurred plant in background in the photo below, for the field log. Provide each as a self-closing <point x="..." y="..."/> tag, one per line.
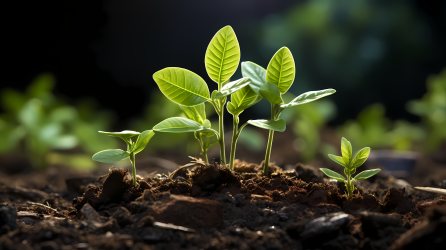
<point x="432" y="110"/>
<point x="36" y="123"/>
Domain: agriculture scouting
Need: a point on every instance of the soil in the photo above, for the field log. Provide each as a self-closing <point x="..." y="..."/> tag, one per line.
<point x="203" y="206"/>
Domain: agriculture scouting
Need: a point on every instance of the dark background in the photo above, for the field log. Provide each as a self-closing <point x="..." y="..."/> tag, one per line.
<point x="110" y="49"/>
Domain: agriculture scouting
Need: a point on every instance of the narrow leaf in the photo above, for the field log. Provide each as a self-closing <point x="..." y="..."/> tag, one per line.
<point x="182" y="86"/>
<point x="360" y="157"/>
<point x="196" y="113"/>
<point x="242" y="99"/>
<point x="276" y="125"/>
<point x="142" y="140"/>
<point x="281" y="70"/>
<point x="271" y="93"/>
<point x="222" y="55"/>
<point x="332" y="174"/>
<point x="338" y="159"/>
<point x="232" y="87"/>
<point x="110" y="155"/>
<point x="346" y="149"/>
<point x="178" y="125"/>
<point x="308" y="97"/>
<point x="366" y="174"/>
<point x="256" y="73"/>
<point x="126" y="134"/>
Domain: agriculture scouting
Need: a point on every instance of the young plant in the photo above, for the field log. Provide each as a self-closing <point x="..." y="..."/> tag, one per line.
<point x="350" y="165"/>
<point x="273" y="83"/>
<point x="114" y="155"/>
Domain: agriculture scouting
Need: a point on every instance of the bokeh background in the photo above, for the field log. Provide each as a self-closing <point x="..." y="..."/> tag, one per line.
<point x="71" y="68"/>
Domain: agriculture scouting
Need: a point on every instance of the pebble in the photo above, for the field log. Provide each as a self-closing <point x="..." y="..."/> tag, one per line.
<point x="326" y="224"/>
<point x="267" y="212"/>
<point x="180" y="178"/>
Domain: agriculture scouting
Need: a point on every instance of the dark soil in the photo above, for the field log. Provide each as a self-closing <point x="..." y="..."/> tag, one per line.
<point x="209" y="207"/>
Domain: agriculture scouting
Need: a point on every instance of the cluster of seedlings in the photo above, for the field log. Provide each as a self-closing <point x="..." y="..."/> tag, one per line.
<point x="190" y="92"/>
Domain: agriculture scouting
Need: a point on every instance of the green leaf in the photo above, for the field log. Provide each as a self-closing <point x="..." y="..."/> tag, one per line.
<point x="338" y="159"/>
<point x="126" y="134"/>
<point x="281" y="70"/>
<point x="222" y="55"/>
<point x="271" y="93"/>
<point x="308" y="97"/>
<point x="242" y="99"/>
<point x="178" y="125"/>
<point x="232" y="87"/>
<point x="256" y="73"/>
<point x="360" y="157"/>
<point x="207" y="123"/>
<point x="346" y="149"/>
<point x="142" y="140"/>
<point x="182" y="86"/>
<point x="366" y="174"/>
<point x="196" y="113"/>
<point x="332" y="174"/>
<point x="276" y="125"/>
<point x="111" y="155"/>
<point x="31" y="115"/>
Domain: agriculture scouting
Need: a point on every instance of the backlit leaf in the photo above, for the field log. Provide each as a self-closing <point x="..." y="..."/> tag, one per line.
<point x="332" y="174"/>
<point x="308" y="97"/>
<point x="222" y="55"/>
<point x="196" y="113"/>
<point x="338" y="159"/>
<point x="178" y="125"/>
<point x="366" y="174"/>
<point x="142" y="140"/>
<point x="256" y="73"/>
<point x="271" y="93"/>
<point x="242" y="99"/>
<point x="360" y="157"/>
<point x="126" y="134"/>
<point x="111" y="155"/>
<point x="346" y="149"/>
<point x="276" y="125"/>
<point x="182" y="86"/>
<point x="232" y="87"/>
<point x="281" y="70"/>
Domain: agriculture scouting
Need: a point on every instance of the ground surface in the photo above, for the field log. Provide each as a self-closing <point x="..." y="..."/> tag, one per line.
<point x="210" y="207"/>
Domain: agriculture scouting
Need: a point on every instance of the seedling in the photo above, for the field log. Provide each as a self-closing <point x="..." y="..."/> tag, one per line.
<point x="272" y="83"/>
<point x="188" y="89"/>
<point x="114" y="155"/>
<point x="350" y="165"/>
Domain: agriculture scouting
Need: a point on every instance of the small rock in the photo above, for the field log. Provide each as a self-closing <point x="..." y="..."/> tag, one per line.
<point x="89" y="212"/>
<point x="123" y="216"/>
<point x="227" y="197"/>
<point x="180" y="178"/>
<point x="325" y="225"/>
<point x="267" y="212"/>
<point x="8" y="216"/>
<point x="108" y="234"/>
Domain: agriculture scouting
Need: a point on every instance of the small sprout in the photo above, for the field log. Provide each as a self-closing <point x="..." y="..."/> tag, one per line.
<point x="350" y="165"/>
<point x="114" y="155"/>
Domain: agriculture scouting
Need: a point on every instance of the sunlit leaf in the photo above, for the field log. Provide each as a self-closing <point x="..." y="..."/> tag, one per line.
<point x="271" y="93"/>
<point x="256" y="73"/>
<point x="332" y="174"/>
<point x="142" y="140"/>
<point x="338" y="159"/>
<point x="232" y="87"/>
<point x="308" y="97"/>
<point x="276" y="125"/>
<point x="346" y="149"/>
<point x="242" y="99"/>
<point x="126" y="134"/>
<point x="222" y="55"/>
<point x="178" y="125"/>
<point x="366" y="174"/>
<point x="360" y="157"/>
<point x="196" y="113"/>
<point x="182" y="86"/>
<point x="110" y="155"/>
<point x="281" y="70"/>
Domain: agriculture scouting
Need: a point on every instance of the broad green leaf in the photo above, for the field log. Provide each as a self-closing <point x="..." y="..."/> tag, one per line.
<point x="182" y="86"/>
<point x="142" y="140"/>
<point x="178" y="125"/>
<point x="126" y="134"/>
<point x="31" y="114"/>
<point x="271" y="93"/>
<point x="338" y="159"/>
<point x="242" y="99"/>
<point x="196" y="113"/>
<point x="308" y="97"/>
<point x="360" y="157"/>
<point x="276" y="125"/>
<point x="346" y="149"/>
<point x="111" y="155"/>
<point x="349" y="171"/>
<point x="366" y="174"/>
<point x="64" y="142"/>
<point x="207" y="123"/>
<point x="222" y="55"/>
<point x="332" y="174"/>
<point x="232" y="87"/>
<point x="256" y="73"/>
<point x="281" y="70"/>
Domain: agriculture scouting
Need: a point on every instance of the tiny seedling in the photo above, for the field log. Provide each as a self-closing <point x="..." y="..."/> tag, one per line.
<point x="188" y="89"/>
<point x="350" y="165"/>
<point x="114" y="155"/>
<point x="272" y="83"/>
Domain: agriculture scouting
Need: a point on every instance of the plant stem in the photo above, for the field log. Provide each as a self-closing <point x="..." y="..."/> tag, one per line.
<point x="221" y="140"/>
<point x="270" y="144"/>
<point x="349" y="189"/>
<point x="132" y="159"/>
<point x="235" y="133"/>
<point x="204" y="153"/>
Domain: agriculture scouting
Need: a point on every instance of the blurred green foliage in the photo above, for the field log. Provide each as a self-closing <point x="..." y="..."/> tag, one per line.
<point x="432" y="109"/>
<point x="36" y="123"/>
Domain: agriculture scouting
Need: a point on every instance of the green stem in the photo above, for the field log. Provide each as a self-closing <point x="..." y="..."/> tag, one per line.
<point x="132" y="159"/>
<point x="235" y="133"/>
<point x="221" y="138"/>
<point x="270" y="143"/>
<point x="204" y="150"/>
<point x="349" y="189"/>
